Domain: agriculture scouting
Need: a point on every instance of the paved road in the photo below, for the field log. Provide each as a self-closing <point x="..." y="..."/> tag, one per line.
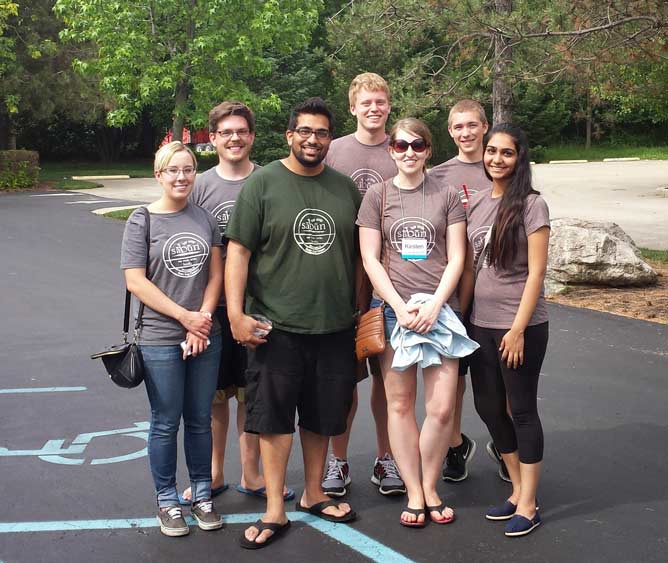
<point x="622" y="192"/>
<point x="602" y="400"/>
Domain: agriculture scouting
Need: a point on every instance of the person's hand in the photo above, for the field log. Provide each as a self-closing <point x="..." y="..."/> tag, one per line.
<point x="406" y="315"/>
<point x="197" y="323"/>
<point x="195" y="344"/>
<point x="512" y="348"/>
<point x="426" y="317"/>
<point x="243" y="329"/>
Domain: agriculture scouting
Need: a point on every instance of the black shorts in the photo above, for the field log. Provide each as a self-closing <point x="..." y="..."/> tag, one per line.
<point x="231" y="373"/>
<point x="312" y="373"/>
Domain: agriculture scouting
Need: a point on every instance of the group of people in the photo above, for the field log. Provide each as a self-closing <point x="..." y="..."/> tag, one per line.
<point x="253" y="277"/>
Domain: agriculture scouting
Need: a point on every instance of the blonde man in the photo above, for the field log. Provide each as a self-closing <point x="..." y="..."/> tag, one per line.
<point x="363" y="155"/>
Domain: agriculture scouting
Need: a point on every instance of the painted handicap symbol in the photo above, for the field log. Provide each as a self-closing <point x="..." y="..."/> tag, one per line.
<point x="54" y="451"/>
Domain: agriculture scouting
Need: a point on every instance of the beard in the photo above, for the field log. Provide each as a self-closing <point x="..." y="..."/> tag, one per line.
<point x="312" y="162"/>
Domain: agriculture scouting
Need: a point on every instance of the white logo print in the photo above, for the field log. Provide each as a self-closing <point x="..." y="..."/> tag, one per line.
<point x="184" y="254"/>
<point x="412" y="227"/>
<point x="478" y="241"/>
<point x="222" y="213"/>
<point x="314" y="231"/>
<point x="364" y="178"/>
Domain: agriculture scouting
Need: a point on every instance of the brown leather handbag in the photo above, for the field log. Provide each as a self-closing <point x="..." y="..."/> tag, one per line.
<point x="370" y="333"/>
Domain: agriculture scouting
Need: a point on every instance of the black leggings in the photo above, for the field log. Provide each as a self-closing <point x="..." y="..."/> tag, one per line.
<point x="492" y="380"/>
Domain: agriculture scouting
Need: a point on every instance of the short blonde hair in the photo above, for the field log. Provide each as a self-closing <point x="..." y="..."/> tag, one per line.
<point x="468" y="105"/>
<point x="369" y="81"/>
<point x="166" y="152"/>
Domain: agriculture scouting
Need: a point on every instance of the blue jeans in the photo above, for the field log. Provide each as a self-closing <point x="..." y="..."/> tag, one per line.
<point x="178" y="388"/>
<point x="389" y="315"/>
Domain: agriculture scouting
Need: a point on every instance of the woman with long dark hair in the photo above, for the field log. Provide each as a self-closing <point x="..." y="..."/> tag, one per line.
<point x="508" y="230"/>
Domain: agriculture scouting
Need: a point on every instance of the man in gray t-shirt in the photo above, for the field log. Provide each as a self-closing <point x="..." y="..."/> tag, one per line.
<point x="232" y="132"/>
<point x="363" y="155"/>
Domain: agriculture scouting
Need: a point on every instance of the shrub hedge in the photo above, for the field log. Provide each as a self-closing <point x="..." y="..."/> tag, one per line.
<point x="19" y="169"/>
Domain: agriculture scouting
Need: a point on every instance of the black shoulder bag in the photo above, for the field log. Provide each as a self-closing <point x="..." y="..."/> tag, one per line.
<point x="123" y="362"/>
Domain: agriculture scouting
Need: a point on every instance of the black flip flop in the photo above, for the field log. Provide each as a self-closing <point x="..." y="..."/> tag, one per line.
<point x="318" y="508"/>
<point x="276" y="528"/>
<point x="439" y="508"/>
<point x="416" y="512"/>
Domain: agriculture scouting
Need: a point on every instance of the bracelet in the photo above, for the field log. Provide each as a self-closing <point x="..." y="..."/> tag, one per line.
<point x="207" y="315"/>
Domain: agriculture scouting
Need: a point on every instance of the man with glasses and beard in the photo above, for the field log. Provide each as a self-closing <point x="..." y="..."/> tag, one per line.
<point x="292" y="254"/>
<point x="232" y="133"/>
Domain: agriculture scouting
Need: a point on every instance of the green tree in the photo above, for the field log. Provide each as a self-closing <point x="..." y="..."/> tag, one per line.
<point x="192" y="53"/>
<point x="455" y="49"/>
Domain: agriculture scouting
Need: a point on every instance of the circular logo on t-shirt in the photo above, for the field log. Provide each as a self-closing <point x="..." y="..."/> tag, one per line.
<point x="222" y="213"/>
<point x="478" y="242"/>
<point x="314" y="231"/>
<point x="184" y="254"/>
<point x="412" y="227"/>
<point x="364" y="178"/>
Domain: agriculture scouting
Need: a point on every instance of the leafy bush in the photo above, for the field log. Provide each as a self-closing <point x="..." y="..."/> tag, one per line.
<point x="19" y="169"/>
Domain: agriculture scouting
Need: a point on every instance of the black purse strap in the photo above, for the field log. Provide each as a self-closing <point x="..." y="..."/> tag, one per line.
<point x="128" y="295"/>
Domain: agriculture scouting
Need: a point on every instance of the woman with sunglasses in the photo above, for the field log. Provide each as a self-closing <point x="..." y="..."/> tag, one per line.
<point x="421" y="249"/>
<point x="179" y="340"/>
<point x="509" y="229"/>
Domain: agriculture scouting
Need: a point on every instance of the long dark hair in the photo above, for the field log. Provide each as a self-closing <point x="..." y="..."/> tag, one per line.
<point x="510" y="217"/>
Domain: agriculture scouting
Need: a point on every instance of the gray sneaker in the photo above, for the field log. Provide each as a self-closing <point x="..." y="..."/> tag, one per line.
<point x="337" y="477"/>
<point x="386" y="477"/>
<point x="172" y="522"/>
<point x="496" y="456"/>
<point x="206" y="516"/>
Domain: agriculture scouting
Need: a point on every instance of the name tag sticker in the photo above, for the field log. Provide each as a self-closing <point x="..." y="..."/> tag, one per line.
<point x="414" y="248"/>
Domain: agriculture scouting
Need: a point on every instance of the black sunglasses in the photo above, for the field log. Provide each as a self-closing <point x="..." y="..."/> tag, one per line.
<point x="418" y="145"/>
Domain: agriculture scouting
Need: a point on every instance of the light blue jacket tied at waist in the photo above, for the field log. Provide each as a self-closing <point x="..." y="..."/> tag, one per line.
<point x="447" y="338"/>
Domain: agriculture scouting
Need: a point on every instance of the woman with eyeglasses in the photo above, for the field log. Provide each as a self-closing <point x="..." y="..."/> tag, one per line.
<point x="509" y="231"/>
<point x="177" y="275"/>
<point x="421" y="249"/>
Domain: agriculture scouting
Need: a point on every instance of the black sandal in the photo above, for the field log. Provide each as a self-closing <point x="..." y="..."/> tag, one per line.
<point x="416" y="512"/>
<point x="276" y="529"/>
<point x="439" y="508"/>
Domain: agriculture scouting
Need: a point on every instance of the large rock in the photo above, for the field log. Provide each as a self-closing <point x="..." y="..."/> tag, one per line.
<point x="597" y="253"/>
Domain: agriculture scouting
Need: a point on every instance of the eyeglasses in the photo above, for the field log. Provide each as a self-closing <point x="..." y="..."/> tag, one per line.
<point x="228" y="133"/>
<point x="401" y="146"/>
<point x="306" y="132"/>
<point x="173" y="171"/>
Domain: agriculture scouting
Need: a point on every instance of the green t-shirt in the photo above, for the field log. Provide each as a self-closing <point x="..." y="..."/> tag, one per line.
<point x="301" y="233"/>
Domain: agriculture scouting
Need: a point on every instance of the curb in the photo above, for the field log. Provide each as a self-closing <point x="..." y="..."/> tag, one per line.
<point x="109" y="177"/>
<point x="567" y="161"/>
<point x="105" y="210"/>
<point x="622" y="159"/>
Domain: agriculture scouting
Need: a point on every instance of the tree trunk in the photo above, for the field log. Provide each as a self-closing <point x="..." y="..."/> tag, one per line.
<point x="179" y="111"/>
<point x="11" y="133"/>
<point x="589" y="120"/>
<point x="502" y="94"/>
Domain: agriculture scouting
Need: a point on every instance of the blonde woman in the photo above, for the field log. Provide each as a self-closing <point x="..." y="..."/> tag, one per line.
<point x="179" y="340"/>
<point x="421" y="250"/>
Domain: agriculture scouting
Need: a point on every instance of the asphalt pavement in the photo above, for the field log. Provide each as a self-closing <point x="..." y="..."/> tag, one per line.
<point x="73" y="469"/>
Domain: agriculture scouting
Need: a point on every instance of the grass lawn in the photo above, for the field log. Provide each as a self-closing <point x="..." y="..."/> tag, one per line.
<point x="655" y="255"/>
<point x="59" y="174"/>
<point x="121" y="214"/>
<point x="578" y="152"/>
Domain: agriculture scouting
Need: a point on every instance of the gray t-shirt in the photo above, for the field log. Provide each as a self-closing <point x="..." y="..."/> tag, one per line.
<point x="498" y="292"/>
<point x="218" y="196"/>
<point x="426" y="218"/>
<point x="365" y="164"/>
<point x="178" y="264"/>
<point x="467" y="178"/>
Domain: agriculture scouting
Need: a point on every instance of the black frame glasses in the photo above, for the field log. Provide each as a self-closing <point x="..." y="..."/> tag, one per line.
<point x="306" y="132"/>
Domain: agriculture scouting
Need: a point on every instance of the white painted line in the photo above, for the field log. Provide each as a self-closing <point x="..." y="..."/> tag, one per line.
<point x="105" y="210"/>
<point x="103" y="177"/>
<point x="41" y="390"/>
<point x="90" y="201"/>
<point x="624" y="159"/>
<point x="568" y="161"/>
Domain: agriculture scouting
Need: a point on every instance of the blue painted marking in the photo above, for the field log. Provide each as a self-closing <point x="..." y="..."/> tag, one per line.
<point x="42" y="390"/>
<point x="342" y="533"/>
